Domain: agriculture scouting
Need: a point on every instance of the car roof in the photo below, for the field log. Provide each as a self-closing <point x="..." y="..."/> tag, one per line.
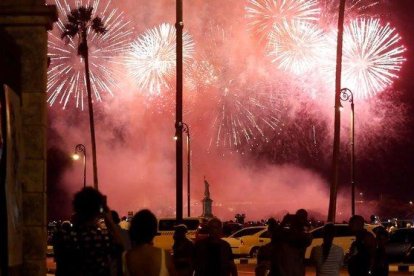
<point x="251" y="227"/>
<point x="366" y="226"/>
<point x="403" y="230"/>
<point x="186" y="218"/>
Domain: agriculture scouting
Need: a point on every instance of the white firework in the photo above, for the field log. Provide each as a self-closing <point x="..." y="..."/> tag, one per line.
<point x="296" y="47"/>
<point x="264" y="14"/>
<point x="152" y="58"/>
<point x="372" y="57"/>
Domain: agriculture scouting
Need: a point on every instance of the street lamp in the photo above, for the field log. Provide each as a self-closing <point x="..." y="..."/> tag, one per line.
<point x="80" y="148"/>
<point x="186" y="129"/>
<point x="179" y="25"/>
<point x="348" y="96"/>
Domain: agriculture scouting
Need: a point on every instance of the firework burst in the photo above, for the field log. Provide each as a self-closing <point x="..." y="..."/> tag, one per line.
<point x="246" y="116"/>
<point x="212" y="61"/>
<point x="264" y="14"/>
<point x="66" y="74"/>
<point x="372" y="57"/>
<point x="152" y="58"/>
<point x="296" y="47"/>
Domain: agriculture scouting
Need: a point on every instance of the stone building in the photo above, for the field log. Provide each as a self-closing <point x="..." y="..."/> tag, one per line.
<point x="23" y="71"/>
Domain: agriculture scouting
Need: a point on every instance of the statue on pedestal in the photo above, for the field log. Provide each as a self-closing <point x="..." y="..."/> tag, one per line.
<point x="207" y="202"/>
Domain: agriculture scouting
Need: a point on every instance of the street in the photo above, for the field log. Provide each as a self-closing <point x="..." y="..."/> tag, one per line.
<point x="248" y="269"/>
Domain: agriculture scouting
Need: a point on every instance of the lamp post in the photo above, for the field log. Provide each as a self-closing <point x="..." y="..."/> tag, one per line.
<point x="186" y="129"/>
<point x="348" y="96"/>
<point x="179" y="25"/>
<point x="81" y="148"/>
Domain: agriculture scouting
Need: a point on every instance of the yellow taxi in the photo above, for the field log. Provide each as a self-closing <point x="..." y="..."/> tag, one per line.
<point x="247" y="241"/>
<point x="343" y="237"/>
<point x="166" y="229"/>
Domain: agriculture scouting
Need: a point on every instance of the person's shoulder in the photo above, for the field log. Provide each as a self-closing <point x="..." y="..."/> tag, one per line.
<point x="337" y="248"/>
<point x="316" y="249"/>
<point x="145" y="250"/>
<point x="367" y="233"/>
<point x="188" y="242"/>
<point x="201" y="242"/>
<point x="223" y="242"/>
<point x="368" y="237"/>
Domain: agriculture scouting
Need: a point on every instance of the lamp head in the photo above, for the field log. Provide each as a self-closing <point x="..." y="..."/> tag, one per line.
<point x="75" y="156"/>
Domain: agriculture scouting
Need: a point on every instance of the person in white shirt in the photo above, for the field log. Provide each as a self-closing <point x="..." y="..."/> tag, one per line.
<point x="328" y="258"/>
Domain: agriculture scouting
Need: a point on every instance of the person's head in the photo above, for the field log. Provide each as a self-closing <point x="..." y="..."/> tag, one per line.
<point x="328" y="233"/>
<point x="180" y="231"/>
<point x="302" y="217"/>
<point x="214" y="227"/>
<point x="115" y="217"/>
<point x="271" y="225"/>
<point x="88" y="204"/>
<point x="143" y="227"/>
<point x="356" y="223"/>
<point x="66" y="225"/>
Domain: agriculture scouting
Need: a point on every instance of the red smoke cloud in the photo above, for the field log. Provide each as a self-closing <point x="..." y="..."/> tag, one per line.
<point x="136" y="150"/>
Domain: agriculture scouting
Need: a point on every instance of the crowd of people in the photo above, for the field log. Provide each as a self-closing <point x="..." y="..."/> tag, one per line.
<point x="95" y="244"/>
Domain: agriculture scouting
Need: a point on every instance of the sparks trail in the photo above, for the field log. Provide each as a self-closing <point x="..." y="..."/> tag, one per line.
<point x="353" y="9"/>
<point x="66" y="81"/>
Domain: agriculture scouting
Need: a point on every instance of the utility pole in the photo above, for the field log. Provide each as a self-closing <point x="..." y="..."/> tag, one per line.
<point x="337" y="128"/>
<point x="179" y="25"/>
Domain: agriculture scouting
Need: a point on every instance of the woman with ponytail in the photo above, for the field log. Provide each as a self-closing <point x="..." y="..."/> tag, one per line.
<point x="328" y="257"/>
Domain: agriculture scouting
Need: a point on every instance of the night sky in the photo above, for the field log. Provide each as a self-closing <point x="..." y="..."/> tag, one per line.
<point x="391" y="172"/>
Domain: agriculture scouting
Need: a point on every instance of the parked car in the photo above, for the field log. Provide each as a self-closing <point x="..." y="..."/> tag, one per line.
<point x="343" y="237"/>
<point x="231" y="227"/>
<point x="166" y="229"/>
<point x="400" y="247"/>
<point x="246" y="242"/>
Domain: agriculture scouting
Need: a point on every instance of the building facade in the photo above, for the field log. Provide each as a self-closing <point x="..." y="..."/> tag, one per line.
<point x="23" y="76"/>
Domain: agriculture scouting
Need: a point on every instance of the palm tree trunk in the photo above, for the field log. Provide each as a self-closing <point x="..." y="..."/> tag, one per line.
<point x="90" y="107"/>
<point x="337" y="127"/>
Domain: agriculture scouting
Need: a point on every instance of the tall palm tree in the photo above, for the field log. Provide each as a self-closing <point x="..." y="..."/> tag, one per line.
<point x="79" y="22"/>
<point x="337" y="122"/>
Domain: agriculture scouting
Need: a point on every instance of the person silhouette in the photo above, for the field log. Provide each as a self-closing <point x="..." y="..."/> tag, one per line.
<point x="87" y="247"/>
<point x="183" y="251"/>
<point x="143" y="258"/>
<point x="328" y="257"/>
<point x="212" y="255"/>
